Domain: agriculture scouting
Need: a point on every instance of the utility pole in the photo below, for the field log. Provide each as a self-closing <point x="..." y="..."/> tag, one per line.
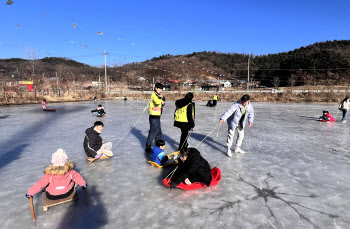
<point x="105" y="53"/>
<point x="248" y="73"/>
<point x="99" y="80"/>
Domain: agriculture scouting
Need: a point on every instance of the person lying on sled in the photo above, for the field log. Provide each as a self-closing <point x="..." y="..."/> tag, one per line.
<point x="158" y="155"/>
<point x="59" y="179"/>
<point x="192" y="167"/>
<point x="327" y="117"/>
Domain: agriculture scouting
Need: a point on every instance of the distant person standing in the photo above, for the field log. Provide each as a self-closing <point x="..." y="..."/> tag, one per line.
<point x="155" y="111"/>
<point x="344" y="106"/>
<point x="236" y="116"/>
<point x="184" y="118"/>
<point x="215" y="100"/>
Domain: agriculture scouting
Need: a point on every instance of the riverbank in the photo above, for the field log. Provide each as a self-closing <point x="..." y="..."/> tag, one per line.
<point x="287" y="96"/>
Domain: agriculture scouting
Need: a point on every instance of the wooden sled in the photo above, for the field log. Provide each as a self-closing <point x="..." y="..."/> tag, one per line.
<point x="161" y="166"/>
<point x="93" y="159"/>
<point x="49" y="203"/>
<point x="215" y="178"/>
<point x="49" y="110"/>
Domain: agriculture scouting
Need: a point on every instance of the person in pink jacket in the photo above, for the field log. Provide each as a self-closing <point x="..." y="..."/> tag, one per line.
<point x="327" y="117"/>
<point x="59" y="178"/>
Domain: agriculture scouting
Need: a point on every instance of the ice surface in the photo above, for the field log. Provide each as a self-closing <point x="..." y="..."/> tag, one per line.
<point x="295" y="173"/>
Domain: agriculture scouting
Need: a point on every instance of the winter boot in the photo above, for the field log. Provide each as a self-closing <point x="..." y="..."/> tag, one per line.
<point x="148" y="149"/>
<point x="229" y="154"/>
<point x="344" y="121"/>
<point x="238" y="150"/>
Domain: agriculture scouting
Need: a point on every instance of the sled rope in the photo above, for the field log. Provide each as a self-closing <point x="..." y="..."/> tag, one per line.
<point x="217" y="133"/>
<point x="133" y="125"/>
<point x="171" y="173"/>
<point x="208" y="134"/>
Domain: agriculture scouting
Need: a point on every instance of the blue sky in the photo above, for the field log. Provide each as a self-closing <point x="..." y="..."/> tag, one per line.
<point x="135" y="30"/>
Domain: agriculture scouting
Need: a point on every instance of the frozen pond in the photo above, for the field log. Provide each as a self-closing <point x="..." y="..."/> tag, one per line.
<point x="295" y="173"/>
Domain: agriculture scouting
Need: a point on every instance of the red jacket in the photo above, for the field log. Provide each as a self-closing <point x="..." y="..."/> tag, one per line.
<point x="332" y="119"/>
<point x="57" y="184"/>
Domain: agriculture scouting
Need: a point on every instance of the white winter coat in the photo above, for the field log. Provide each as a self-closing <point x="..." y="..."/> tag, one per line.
<point x="234" y="114"/>
<point x="345" y="105"/>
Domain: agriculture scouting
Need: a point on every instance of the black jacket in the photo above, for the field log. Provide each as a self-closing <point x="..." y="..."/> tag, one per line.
<point x="195" y="165"/>
<point x="190" y="124"/>
<point x="92" y="142"/>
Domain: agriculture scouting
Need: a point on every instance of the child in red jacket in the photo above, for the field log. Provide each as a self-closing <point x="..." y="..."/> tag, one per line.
<point x="327" y="117"/>
<point x="59" y="178"/>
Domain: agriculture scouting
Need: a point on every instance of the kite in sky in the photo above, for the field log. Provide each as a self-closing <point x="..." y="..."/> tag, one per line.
<point x="132" y="44"/>
<point x="9" y="2"/>
<point x="118" y="38"/>
<point x="85" y="46"/>
<point x="74" y="25"/>
<point x="45" y="13"/>
<point x="71" y="42"/>
<point x="99" y="33"/>
<point x="97" y="50"/>
<point x="17" y="26"/>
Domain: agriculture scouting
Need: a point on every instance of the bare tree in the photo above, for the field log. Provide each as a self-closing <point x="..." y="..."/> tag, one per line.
<point x="292" y="80"/>
<point x="33" y="57"/>
<point x="276" y="81"/>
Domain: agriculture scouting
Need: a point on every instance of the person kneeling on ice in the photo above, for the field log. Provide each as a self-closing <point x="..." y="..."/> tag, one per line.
<point x="100" y="110"/>
<point x="44" y="104"/>
<point x="192" y="167"/>
<point x="93" y="144"/>
<point x="59" y="179"/>
<point x="157" y="155"/>
<point x="327" y="117"/>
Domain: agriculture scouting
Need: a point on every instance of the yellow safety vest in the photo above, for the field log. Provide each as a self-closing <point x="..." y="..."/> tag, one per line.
<point x="181" y="113"/>
<point x="155" y="106"/>
<point x="215" y="97"/>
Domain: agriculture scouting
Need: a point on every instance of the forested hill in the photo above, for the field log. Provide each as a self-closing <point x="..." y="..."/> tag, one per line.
<point x="322" y="63"/>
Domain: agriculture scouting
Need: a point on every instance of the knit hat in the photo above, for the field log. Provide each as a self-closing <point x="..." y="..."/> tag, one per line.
<point x="159" y="85"/>
<point x="245" y="98"/>
<point x="59" y="158"/>
<point x="189" y="96"/>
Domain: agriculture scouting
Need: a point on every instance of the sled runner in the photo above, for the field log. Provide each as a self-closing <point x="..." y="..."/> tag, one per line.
<point x="215" y="175"/>
<point x="49" y="203"/>
<point x="49" y="110"/>
<point x="93" y="159"/>
<point x="161" y="166"/>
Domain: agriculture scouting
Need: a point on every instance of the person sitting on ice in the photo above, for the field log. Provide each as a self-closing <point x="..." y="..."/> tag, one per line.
<point x="44" y="104"/>
<point x="100" y="110"/>
<point x="192" y="167"/>
<point x="95" y="98"/>
<point x="59" y="179"/>
<point x="93" y="144"/>
<point x="158" y="155"/>
<point x="327" y="117"/>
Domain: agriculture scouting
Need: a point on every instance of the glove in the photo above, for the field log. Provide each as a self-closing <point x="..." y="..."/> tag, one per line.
<point x="97" y="156"/>
<point x="27" y="195"/>
<point x="84" y="186"/>
<point x="173" y="185"/>
<point x="163" y="98"/>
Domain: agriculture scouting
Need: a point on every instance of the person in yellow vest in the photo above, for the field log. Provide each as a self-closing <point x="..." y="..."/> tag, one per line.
<point x="184" y="118"/>
<point x="236" y="117"/>
<point x="155" y="111"/>
<point x="215" y="100"/>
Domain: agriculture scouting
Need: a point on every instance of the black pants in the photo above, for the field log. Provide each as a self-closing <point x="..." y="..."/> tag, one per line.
<point x="214" y="103"/>
<point x="183" y="139"/>
<point x="62" y="196"/>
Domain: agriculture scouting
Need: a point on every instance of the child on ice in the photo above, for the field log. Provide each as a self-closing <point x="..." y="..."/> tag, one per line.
<point x="44" y="104"/>
<point x="327" y="117"/>
<point x="158" y="153"/>
<point x="100" y="110"/>
<point x="59" y="178"/>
